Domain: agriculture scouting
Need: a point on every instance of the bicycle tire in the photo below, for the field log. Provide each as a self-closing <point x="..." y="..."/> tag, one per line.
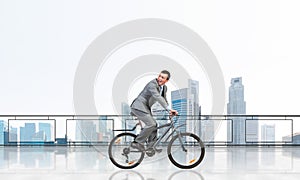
<point x="179" y="157"/>
<point x="118" y="145"/>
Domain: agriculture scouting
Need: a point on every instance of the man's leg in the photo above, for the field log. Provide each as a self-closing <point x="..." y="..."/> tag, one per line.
<point x="153" y="136"/>
<point x="150" y="125"/>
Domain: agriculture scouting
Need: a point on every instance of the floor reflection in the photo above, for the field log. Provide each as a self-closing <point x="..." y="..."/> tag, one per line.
<point x="126" y="175"/>
<point x="182" y="174"/>
<point x="232" y="161"/>
<point x="177" y="175"/>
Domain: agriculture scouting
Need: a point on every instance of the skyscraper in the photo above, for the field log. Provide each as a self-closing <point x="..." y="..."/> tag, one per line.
<point x="13" y="135"/>
<point x="292" y="139"/>
<point x="207" y="129"/>
<point x="186" y="102"/>
<point x="268" y="133"/>
<point x="1" y="132"/>
<point x="180" y="103"/>
<point x="252" y="130"/>
<point x="236" y="105"/>
<point x="86" y="130"/>
<point x="27" y="132"/>
<point x="102" y="129"/>
<point x="46" y="128"/>
<point x="125" y="109"/>
<point x="127" y="121"/>
<point x="193" y="87"/>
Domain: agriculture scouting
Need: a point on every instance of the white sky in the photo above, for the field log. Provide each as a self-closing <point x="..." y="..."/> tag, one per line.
<point x="41" y="43"/>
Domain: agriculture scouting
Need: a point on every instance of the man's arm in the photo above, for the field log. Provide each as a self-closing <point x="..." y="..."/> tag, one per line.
<point x="161" y="100"/>
<point x="157" y="97"/>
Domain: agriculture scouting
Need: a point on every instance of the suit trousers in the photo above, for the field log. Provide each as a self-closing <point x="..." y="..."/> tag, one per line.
<point x="149" y="131"/>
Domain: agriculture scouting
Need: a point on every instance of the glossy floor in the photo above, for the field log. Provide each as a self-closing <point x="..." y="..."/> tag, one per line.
<point x="93" y="163"/>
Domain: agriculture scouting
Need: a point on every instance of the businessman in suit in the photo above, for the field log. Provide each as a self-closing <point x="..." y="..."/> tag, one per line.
<point x="154" y="91"/>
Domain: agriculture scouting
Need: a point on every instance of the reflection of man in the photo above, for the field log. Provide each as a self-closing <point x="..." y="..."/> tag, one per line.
<point x="154" y="91"/>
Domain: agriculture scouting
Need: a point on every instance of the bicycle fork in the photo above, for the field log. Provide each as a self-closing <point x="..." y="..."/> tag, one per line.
<point x="181" y="142"/>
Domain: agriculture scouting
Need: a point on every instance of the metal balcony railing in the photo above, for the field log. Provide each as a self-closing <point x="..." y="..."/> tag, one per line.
<point x="100" y="129"/>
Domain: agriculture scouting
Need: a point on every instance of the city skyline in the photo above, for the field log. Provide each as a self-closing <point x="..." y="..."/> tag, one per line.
<point x="244" y="130"/>
<point x="184" y="100"/>
<point x="26" y="132"/>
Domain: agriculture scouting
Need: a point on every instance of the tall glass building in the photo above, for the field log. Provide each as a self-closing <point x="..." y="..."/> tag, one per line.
<point x="27" y="133"/>
<point x="252" y="130"/>
<point x="236" y="105"/>
<point x="180" y="102"/>
<point x="102" y="135"/>
<point x="268" y="133"/>
<point x="127" y="121"/>
<point x="86" y="130"/>
<point x="1" y="132"/>
<point x="47" y="130"/>
<point x="207" y="129"/>
<point x="186" y="102"/>
<point x="195" y="124"/>
<point x="13" y="135"/>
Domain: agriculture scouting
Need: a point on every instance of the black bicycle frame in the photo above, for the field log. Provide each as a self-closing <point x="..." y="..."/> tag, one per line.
<point x="170" y="126"/>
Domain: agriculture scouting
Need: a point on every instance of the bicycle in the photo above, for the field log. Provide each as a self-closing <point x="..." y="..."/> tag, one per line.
<point x="185" y="150"/>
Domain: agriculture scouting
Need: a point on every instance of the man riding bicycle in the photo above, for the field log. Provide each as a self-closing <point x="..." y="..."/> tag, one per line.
<point x="154" y="91"/>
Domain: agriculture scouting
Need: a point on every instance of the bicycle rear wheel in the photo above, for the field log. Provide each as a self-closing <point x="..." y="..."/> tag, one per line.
<point x="186" y="150"/>
<point x="121" y="154"/>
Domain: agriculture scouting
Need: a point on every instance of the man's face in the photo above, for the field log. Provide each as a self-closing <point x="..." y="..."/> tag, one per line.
<point x="162" y="79"/>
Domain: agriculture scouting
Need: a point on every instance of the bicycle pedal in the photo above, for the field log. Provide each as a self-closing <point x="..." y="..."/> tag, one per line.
<point x="158" y="150"/>
<point x="138" y="146"/>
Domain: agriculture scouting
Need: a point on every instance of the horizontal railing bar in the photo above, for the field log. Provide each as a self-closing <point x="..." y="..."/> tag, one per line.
<point x="111" y="115"/>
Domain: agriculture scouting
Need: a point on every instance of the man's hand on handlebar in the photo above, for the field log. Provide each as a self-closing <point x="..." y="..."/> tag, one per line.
<point x="173" y="112"/>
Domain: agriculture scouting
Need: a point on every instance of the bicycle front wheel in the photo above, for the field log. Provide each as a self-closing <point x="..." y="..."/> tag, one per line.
<point x="121" y="154"/>
<point x="186" y="150"/>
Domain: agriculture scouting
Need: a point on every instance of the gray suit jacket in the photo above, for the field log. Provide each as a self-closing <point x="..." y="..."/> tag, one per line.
<point x="149" y="95"/>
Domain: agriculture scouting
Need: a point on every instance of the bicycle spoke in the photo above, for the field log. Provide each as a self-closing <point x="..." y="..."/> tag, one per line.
<point x="186" y="150"/>
<point x="121" y="154"/>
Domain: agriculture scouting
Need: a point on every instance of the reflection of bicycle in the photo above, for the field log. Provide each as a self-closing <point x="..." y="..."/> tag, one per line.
<point x="185" y="150"/>
<point x="130" y="174"/>
<point x="127" y="174"/>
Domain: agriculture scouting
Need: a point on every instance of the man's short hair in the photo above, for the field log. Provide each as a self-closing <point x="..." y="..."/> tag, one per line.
<point x="166" y="72"/>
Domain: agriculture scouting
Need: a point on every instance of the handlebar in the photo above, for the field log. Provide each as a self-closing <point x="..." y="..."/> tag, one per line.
<point x="165" y="110"/>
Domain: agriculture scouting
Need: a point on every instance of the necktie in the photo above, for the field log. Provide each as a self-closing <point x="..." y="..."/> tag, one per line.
<point x="161" y="90"/>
